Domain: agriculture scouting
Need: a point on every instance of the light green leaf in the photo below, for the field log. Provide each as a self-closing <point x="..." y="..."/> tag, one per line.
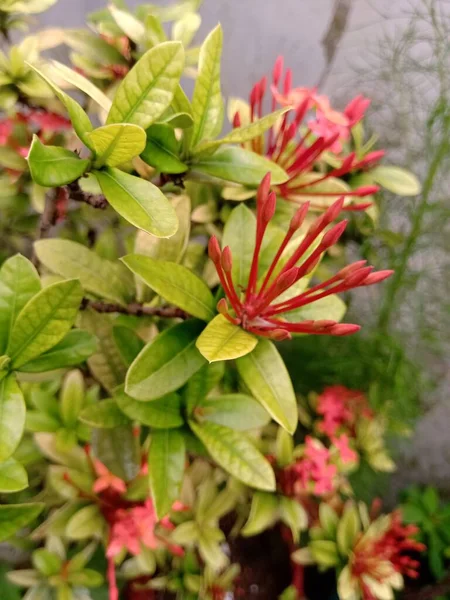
<point x="106" y="364"/>
<point x="72" y="350"/>
<point x="53" y="166"/>
<point x="233" y="163"/>
<point x="166" y="363"/>
<point x="322" y="194"/>
<point x="265" y="374"/>
<point x="163" y="413"/>
<point x="86" y="523"/>
<point x="237" y="411"/>
<point x="175" y="283"/>
<point x="185" y="28"/>
<point x="72" y="397"/>
<point x="10" y="159"/>
<point x="396" y="180"/>
<point x="19" y="282"/>
<point x="162" y="150"/>
<point x="239" y="235"/>
<point x="207" y="102"/>
<point x="80" y="121"/>
<point x="13" y="476"/>
<point x="203" y="382"/>
<point x="128" y="342"/>
<point x="104" y="415"/>
<point x="328" y="519"/>
<point x="98" y="276"/>
<point x="129" y="24"/>
<point x="347" y="530"/>
<point x="235" y="453"/>
<point x="12" y="416"/>
<point x="138" y="201"/>
<point x="324" y="553"/>
<point x="15" y="516"/>
<point x="117" y="144"/>
<point x="178" y="120"/>
<point x="330" y="307"/>
<point x="44" y="321"/>
<point x="48" y="563"/>
<point x="243" y="134"/>
<point x="93" y="47"/>
<point x="263" y="514"/>
<point x="294" y="515"/>
<point x="221" y="340"/>
<point x="148" y="89"/>
<point x="166" y="461"/>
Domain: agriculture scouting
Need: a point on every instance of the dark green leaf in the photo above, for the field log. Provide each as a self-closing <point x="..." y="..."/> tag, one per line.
<point x="166" y="468"/>
<point x="163" y="149"/>
<point x="15" y="516"/>
<point x="104" y="415"/>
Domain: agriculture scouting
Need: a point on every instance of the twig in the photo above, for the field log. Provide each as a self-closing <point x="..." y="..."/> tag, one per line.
<point x="136" y="309"/>
<point x="77" y="194"/>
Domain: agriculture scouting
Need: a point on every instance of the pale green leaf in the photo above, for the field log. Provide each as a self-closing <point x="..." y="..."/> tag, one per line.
<point x="348" y="528"/>
<point x="163" y="413"/>
<point x="129" y="24"/>
<point x="396" y="180"/>
<point x="117" y="144"/>
<point x="138" y="201"/>
<point x="221" y="340"/>
<point x="12" y="416"/>
<point x="72" y="397"/>
<point x="166" y="461"/>
<point x="148" y="89"/>
<point x="119" y="450"/>
<point x="324" y="552"/>
<point x="236" y="411"/>
<point x="321" y="195"/>
<point x="265" y="374"/>
<point x="15" y="516"/>
<point x="13" y="476"/>
<point x="53" y="166"/>
<point x="86" y="523"/>
<point x="166" y="363"/>
<point x="263" y="514"/>
<point x="330" y="307"/>
<point x="128" y="342"/>
<point x="175" y="283"/>
<point x="235" y="453"/>
<point x="185" y="28"/>
<point x="104" y="415"/>
<point x="44" y="321"/>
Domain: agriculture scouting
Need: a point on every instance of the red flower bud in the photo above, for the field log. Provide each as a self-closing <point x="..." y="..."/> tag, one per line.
<point x="342" y="329"/>
<point x="378" y="276"/>
<point x="214" y="250"/>
<point x="333" y="235"/>
<point x="227" y="261"/>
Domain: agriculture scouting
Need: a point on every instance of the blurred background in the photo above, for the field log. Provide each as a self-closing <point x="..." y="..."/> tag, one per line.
<point x="397" y="52"/>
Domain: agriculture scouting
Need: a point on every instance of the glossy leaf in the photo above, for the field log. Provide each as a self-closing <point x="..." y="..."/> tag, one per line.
<point x="175" y="283"/>
<point x="12" y="416"/>
<point x="207" y="102"/>
<point x="221" y="340"/>
<point x="104" y="415"/>
<point x="396" y="180"/>
<point x="117" y="144"/>
<point x="73" y="349"/>
<point x="138" y="201"/>
<point x="148" y="89"/>
<point x="162" y="150"/>
<point x="265" y="374"/>
<point x="233" y="163"/>
<point x="235" y="453"/>
<point x="237" y="411"/>
<point x="13" y="476"/>
<point x="163" y="413"/>
<point x="19" y="282"/>
<point x="44" y="321"/>
<point x="98" y="276"/>
<point x="166" y="461"/>
<point x="53" y="166"/>
<point x="72" y="397"/>
<point x="15" y="516"/>
<point x="166" y="363"/>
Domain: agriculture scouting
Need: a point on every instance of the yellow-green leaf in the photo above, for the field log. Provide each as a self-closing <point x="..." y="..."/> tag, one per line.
<point x="53" y="166"/>
<point x="15" y="516"/>
<point x="12" y="416"/>
<point x="117" y="144"/>
<point x="396" y="180"/>
<point x="221" y="340"/>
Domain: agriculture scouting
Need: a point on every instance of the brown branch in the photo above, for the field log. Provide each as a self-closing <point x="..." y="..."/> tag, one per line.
<point x="430" y="592"/>
<point x="77" y="194"/>
<point x="136" y="309"/>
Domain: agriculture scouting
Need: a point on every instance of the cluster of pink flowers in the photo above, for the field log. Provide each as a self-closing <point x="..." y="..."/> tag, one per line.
<point x="340" y="409"/>
<point x="306" y="133"/>
<point x="258" y="310"/>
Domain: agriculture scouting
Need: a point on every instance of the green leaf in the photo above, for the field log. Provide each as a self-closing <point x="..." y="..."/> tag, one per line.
<point x="46" y="562"/>
<point x="119" y="450"/>
<point x="19" y="282"/>
<point x="116" y="144"/>
<point x="294" y="515"/>
<point x="263" y="514"/>
<point x="73" y="349"/>
<point x="235" y="453"/>
<point x="128" y="342"/>
<point x="148" y="89"/>
<point x="166" y="363"/>
<point x="162" y="150"/>
<point x="79" y="118"/>
<point x="98" y="276"/>
<point x="221" y="340"/>
<point x="324" y="552"/>
<point x="129" y="24"/>
<point x="15" y="516"/>
<point x="104" y="415"/>
<point x="138" y="201"/>
<point x="87" y="578"/>
<point x="396" y="180"/>
<point x="203" y="382"/>
<point x="72" y="397"/>
<point x="233" y="163"/>
<point x="13" y="476"/>
<point x="328" y="519"/>
<point x="166" y="461"/>
<point x="53" y="166"/>
<point x="175" y="283"/>
<point x="44" y="321"/>
<point x="330" y="307"/>
<point x="106" y="364"/>
<point x="237" y="411"/>
<point x="207" y="102"/>
<point x="84" y="523"/>
<point x="163" y="413"/>
<point x="93" y="46"/>
<point x="265" y="374"/>
<point x="243" y="134"/>
<point x="347" y="530"/>
<point x="12" y="416"/>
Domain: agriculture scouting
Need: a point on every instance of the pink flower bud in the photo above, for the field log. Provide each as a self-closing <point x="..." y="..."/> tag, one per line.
<point x="334" y="210"/>
<point x="378" y="276"/>
<point x="214" y="250"/>
<point x="333" y="235"/>
<point x="227" y="260"/>
<point x="343" y="273"/>
<point x="287" y="279"/>
<point x="357" y="277"/>
<point x="269" y="207"/>
<point x="299" y="217"/>
<point x="263" y="189"/>
<point x="342" y="329"/>
<point x="222" y="306"/>
<point x="278" y="69"/>
<point x="236" y="119"/>
<point x="279" y="335"/>
<point x="366" y="190"/>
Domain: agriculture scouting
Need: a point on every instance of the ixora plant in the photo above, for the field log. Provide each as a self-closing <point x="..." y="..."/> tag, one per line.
<point x="149" y="269"/>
